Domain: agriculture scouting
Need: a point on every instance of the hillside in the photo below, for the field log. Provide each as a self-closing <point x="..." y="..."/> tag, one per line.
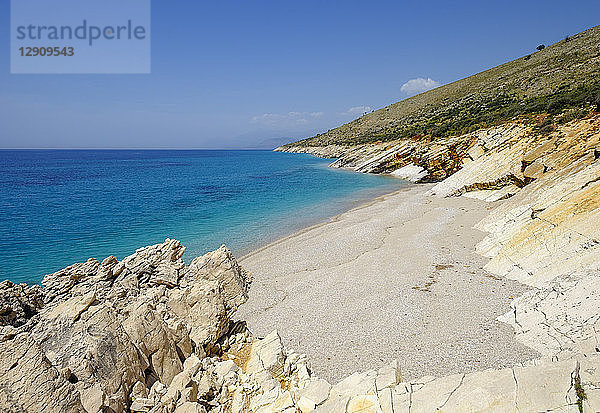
<point x="563" y="75"/>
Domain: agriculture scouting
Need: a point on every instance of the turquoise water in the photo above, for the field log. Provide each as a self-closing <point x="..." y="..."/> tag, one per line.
<point x="60" y="207"/>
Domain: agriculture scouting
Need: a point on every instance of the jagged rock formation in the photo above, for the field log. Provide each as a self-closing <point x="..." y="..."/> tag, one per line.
<point x="100" y="330"/>
<point x="18" y="303"/>
<point x="150" y="334"/>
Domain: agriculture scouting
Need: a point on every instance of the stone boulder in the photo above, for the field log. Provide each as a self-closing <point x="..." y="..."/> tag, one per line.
<point x="18" y="303"/>
<point x="410" y="172"/>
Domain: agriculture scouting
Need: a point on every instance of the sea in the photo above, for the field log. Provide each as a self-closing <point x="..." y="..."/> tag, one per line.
<point x="59" y="207"/>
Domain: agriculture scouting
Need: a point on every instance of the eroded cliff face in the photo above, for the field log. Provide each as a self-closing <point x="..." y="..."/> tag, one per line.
<point x="438" y="158"/>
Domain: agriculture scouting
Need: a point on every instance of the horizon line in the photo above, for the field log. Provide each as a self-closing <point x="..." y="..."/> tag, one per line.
<point x="137" y="149"/>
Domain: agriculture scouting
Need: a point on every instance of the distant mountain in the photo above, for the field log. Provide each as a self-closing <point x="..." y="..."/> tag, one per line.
<point x="272" y="143"/>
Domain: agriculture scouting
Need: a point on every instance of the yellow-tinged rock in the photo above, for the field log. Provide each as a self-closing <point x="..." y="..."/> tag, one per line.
<point x="476" y="152"/>
<point x="535" y="170"/>
<point x="306" y="405"/>
<point x="363" y="404"/>
<point x="543" y="149"/>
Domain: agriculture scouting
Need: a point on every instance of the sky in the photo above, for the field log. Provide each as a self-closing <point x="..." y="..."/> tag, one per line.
<point x="250" y="74"/>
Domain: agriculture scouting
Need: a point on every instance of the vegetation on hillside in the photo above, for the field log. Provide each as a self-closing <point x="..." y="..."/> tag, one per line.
<point x="558" y="77"/>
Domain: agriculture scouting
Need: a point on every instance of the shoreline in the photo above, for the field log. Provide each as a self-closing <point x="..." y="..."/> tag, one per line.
<point x="326" y="220"/>
<point x="322" y="287"/>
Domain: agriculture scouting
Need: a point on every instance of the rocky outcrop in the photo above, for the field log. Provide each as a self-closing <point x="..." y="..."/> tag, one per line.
<point x="19" y="303"/>
<point x="438" y="159"/>
<point x="151" y="334"/>
<point x="258" y="375"/>
<point x="100" y="333"/>
<point x="435" y="159"/>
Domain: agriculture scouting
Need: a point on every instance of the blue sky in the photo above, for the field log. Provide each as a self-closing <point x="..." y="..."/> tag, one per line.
<point x="242" y="74"/>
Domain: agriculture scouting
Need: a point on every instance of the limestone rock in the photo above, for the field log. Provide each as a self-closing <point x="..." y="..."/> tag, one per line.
<point x="388" y="376"/>
<point x="222" y="369"/>
<point x="19" y="303"/>
<point x="562" y="319"/>
<point x="120" y="332"/>
<point x="30" y="383"/>
<point x="103" y="361"/>
<point x="476" y="152"/>
<point x="221" y="266"/>
<point x="267" y="354"/>
<point x="316" y="392"/>
<point x="355" y="384"/>
<point x="367" y="403"/>
<point x="334" y="405"/>
<point x="410" y="172"/>
<point x="535" y="170"/>
<point x="139" y="391"/>
<point x="545" y="386"/>
<point x="306" y="405"/>
<point x="190" y="407"/>
<point x="538" y="152"/>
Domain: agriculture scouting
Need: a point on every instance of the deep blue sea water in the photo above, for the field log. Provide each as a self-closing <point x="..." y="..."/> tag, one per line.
<point x="58" y="207"/>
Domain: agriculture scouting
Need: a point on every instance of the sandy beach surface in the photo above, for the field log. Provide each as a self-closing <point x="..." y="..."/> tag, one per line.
<point x="397" y="278"/>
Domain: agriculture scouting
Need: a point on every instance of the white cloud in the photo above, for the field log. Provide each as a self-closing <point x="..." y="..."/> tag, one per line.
<point x="286" y="119"/>
<point x="418" y="85"/>
<point x="358" y="110"/>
